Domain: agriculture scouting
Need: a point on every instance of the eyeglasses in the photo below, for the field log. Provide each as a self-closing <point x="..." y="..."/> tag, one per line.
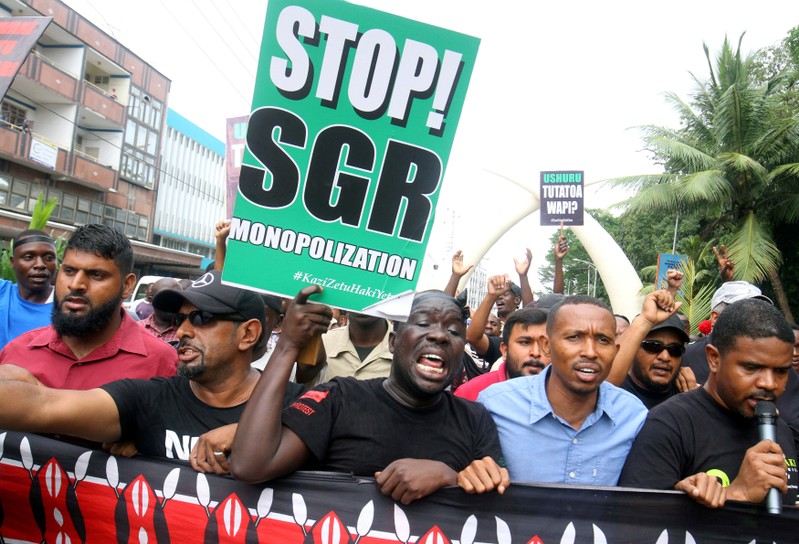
<point x="198" y="318"/>
<point x="656" y="346"/>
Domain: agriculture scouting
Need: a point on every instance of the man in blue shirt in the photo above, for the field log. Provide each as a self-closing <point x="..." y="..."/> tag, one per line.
<point x="567" y="425"/>
<point x="28" y="304"/>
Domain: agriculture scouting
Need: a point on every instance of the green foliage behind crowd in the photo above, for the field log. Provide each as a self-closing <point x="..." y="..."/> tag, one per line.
<point x="730" y="174"/>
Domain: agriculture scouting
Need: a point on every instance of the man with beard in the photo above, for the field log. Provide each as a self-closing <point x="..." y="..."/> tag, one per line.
<point x="92" y="340"/>
<point x="706" y="441"/>
<point x="192" y="416"/>
<point x="648" y="362"/>
<point x="372" y="427"/>
<point x="507" y="296"/>
<point x="521" y="350"/>
<point x="567" y="424"/>
<point x="28" y="304"/>
<point x="656" y="366"/>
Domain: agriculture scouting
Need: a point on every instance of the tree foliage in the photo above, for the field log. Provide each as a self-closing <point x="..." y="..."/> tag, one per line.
<point x="734" y="161"/>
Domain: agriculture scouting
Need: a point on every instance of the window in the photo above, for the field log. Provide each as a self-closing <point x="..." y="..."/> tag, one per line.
<point x="19" y="195"/>
<point x="5" y="186"/>
<point x="141" y="139"/>
<point x="11" y="113"/>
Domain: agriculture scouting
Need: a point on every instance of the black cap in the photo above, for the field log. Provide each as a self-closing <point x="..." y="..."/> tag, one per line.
<point x="209" y="293"/>
<point x="516" y="289"/>
<point x="546" y="302"/>
<point x="673" y="322"/>
<point x="274" y="302"/>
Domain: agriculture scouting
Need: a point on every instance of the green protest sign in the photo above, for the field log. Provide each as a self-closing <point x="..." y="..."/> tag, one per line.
<point x="353" y="118"/>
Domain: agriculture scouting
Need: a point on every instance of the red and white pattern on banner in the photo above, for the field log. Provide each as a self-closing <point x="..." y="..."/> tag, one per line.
<point x="101" y="502"/>
<point x="133" y="501"/>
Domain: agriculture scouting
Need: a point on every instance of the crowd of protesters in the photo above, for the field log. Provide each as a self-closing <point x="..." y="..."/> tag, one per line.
<point x="555" y="390"/>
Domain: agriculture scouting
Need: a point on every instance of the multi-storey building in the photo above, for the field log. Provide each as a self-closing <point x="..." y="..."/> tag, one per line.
<point x="83" y="122"/>
<point x="191" y="188"/>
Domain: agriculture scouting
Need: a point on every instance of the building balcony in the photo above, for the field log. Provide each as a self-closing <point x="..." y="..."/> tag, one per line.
<point x="87" y="171"/>
<point x="103" y="105"/>
<point x="44" y="72"/>
<point x="37" y="152"/>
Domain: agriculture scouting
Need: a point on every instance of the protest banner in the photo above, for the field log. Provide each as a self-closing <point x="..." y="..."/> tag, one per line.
<point x="58" y="492"/>
<point x="666" y="262"/>
<point x="236" y="134"/>
<point x="352" y="122"/>
<point x="561" y="197"/>
<point x="18" y="35"/>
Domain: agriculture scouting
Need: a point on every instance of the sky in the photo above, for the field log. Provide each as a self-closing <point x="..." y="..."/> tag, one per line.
<point x="557" y="86"/>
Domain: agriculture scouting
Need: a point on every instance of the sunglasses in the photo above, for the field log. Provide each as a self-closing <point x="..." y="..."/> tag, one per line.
<point x="198" y="318"/>
<point x="656" y="346"/>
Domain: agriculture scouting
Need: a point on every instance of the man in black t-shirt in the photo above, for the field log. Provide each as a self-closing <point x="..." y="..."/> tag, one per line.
<point x="191" y="416"/>
<point x="406" y="430"/>
<point x="705" y="442"/>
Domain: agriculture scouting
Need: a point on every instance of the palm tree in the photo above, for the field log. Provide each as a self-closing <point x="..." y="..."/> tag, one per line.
<point x="734" y="157"/>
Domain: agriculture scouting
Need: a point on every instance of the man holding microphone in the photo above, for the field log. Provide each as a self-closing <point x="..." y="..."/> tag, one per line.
<point x="708" y="442"/>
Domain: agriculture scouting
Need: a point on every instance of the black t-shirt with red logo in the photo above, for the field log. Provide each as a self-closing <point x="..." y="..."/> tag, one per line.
<point x="355" y="426"/>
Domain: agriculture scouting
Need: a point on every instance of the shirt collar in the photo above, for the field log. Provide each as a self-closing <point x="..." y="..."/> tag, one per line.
<point x="149" y="322"/>
<point x="124" y="339"/>
<point x="340" y="342"/>
<point x="540" y="406"/>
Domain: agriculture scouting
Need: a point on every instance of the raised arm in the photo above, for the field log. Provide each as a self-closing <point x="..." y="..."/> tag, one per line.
<point x="263" y="448"/>
<point x="91" y="415"/>
<point x="726" y="266"/>
<point x="475" y="332"/>
<point x="674" y="281"/>
<point x="658" y="306"/>
<point x="222" y="232"/>
<point x="458" y="271"/>
<point x="559" y="251"/>
<point x="522" y="267"/>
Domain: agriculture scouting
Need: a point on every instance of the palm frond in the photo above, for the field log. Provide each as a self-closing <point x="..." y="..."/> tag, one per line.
<point x="654" y="197"/>
<point x="646" y="289"/>
<point x="785" y="208"/>
<point x="694" y="294"/>
<point x="648" y="274"/>
<point x="705" y="186"/>
<point x="638" y="182"/>
<point x="753" y="251"/>
<point x="42" y="211"/>
<point x="700" y="130"/>
<point x="778" y="142"/>
<point x="789" y="170"/>
<point x="739" y="163"/>
<point x="688" y="157"/>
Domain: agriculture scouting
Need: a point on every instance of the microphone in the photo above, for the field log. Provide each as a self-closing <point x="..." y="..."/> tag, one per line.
<point x="766" y="414"/>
